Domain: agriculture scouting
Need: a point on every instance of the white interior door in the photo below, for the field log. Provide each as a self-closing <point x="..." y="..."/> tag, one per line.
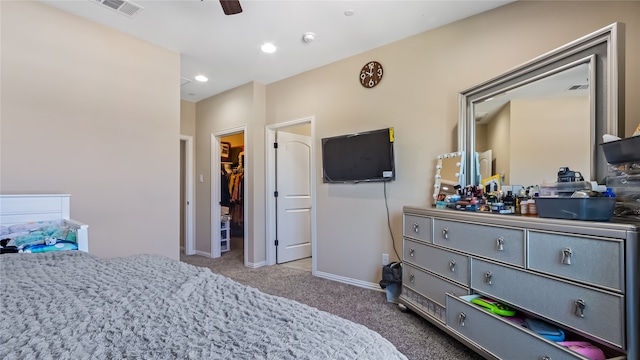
<point x="485" y="159"/>
<point x="293" y="204"/>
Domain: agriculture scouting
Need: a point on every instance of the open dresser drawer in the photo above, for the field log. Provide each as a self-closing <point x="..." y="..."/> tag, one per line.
<point x="597" y="312"/>
<point x="502" y="338"/>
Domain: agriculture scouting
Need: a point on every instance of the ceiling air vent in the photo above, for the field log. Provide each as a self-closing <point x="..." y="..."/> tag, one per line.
<point x="480" y="115"/>
<point x="126" y="8"/>
<point x="578" y="87"/>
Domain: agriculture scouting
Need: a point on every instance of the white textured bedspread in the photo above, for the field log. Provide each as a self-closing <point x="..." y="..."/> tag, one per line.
<point x="71" y="305"/>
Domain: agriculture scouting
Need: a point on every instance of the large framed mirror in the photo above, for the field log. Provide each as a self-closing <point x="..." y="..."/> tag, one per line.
<point x="548" y="113"/>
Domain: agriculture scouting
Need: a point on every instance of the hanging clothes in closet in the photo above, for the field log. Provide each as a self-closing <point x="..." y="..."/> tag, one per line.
<point x="236" y="189"/>
<point x="225" y="194"/>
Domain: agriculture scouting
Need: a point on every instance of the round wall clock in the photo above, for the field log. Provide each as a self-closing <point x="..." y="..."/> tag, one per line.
<point x="371" y="74"/>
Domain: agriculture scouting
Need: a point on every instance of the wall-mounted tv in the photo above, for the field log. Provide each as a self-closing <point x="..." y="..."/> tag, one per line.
<point x="359" y="157"/>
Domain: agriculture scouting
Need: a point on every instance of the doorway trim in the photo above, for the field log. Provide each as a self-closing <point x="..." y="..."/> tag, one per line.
<point x="215" y="190"/>
<point x="189" y="225"/>
<point x="270" y="212"/>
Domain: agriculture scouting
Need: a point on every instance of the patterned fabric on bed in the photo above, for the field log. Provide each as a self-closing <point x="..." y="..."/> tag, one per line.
<point x="73" y="305"/>
<point x="37" y="233"/>
<point x="57" y="246"/>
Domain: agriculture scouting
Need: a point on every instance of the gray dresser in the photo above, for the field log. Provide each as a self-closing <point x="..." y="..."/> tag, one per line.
<point x="580" y="276"/>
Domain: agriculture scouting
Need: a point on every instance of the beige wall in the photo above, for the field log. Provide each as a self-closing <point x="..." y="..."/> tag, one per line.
<point x="298" y="129"/>
<point x="94" y="113"/>
<point x="187" y="118"/>
<point x="499" y="141"/>
<point x="234" y="140"/>
<point x="419" y="97"/>
<point x="243" y="106"/>
<point x="521" y="133"/>
<point x="187" y="128"/>
<point x="537" y="126"/>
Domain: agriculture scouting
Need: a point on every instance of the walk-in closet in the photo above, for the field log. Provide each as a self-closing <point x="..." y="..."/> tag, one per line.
<point x="232" y="192"/>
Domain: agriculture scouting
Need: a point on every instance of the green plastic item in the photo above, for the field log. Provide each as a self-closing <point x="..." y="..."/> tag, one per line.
<point x="494" y="306"/>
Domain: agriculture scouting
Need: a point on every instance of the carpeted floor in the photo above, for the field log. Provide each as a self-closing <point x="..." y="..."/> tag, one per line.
<point x="412" y="335"/>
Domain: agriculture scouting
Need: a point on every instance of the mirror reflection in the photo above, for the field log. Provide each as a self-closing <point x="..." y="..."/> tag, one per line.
<point x="519" y="131"/>
<point x="530" y="137"/>
<point x="448" y="172"/>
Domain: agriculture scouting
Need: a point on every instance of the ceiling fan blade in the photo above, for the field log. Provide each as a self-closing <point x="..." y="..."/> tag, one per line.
<point x="231" y="7"/>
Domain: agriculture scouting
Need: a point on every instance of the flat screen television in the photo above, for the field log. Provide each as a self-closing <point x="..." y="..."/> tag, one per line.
<point x="359" y="157"/>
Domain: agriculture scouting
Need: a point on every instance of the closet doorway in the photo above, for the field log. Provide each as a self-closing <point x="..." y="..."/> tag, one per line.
<point x="228" y="201"/>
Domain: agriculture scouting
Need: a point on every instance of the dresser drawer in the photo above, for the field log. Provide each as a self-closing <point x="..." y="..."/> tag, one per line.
<point x="602" y="314"/>
<point x="500" y="337"/>
<point x="429" y="285"/>
<point x="498" y="243"/>
<point x="595" y="261"/>
<point x="445" y="263"/>
<point x="417" y="227"/>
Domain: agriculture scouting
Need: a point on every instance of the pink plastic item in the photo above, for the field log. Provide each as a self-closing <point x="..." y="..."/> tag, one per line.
<point x="584" y="348"/>
<point x="515" y="319"/>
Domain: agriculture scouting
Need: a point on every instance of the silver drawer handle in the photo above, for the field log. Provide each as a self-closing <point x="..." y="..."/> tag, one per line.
<point x="580" y="306"/>
<point x="487" y="277"/>
<point x="411" y="252"/>
<point x="546" y="358"/>
<point x="500" y="244"/>
<point x="416" y="228"/>
<point x="461" y="318"/>
<point x="445" y="233"/>
<point x="412" y="278"/>
<point x="452" y="265"/>
<point x="566" y="256"/>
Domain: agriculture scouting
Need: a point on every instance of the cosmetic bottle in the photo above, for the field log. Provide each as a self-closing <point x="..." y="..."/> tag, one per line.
<point x="509" y="203"/>
<point x="533" y="210"/>
<point x="524" y="207"/>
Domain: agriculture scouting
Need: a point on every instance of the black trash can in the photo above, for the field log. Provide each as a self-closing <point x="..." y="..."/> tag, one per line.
<point x="392" y="281"/>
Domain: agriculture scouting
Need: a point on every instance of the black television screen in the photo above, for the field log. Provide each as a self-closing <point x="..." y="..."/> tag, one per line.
<point x="365" y="156"/>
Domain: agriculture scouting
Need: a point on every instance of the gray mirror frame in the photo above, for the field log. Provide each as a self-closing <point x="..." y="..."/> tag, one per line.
<point x="605" y="46"/>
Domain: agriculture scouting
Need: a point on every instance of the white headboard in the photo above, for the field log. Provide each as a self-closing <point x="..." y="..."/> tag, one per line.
<point x="23" y="208"/>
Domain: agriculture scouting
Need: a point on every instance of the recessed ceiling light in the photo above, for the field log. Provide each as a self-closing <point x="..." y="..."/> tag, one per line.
<point x="308" y="37"/>
<point x="201" y="78"/>
<point x="349" y="12"/>
<point x="268" y="48"/>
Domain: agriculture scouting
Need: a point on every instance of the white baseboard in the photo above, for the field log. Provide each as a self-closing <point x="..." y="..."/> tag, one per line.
<point x="256" y="265"/>
<point x="350" y="281"/>
<point x="341" y="279"/>
<point x="202" y="253"/>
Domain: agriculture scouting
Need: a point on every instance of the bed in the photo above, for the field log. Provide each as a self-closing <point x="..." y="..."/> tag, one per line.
<point x="30" y="218"/>
<point x="75" y="305"/>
